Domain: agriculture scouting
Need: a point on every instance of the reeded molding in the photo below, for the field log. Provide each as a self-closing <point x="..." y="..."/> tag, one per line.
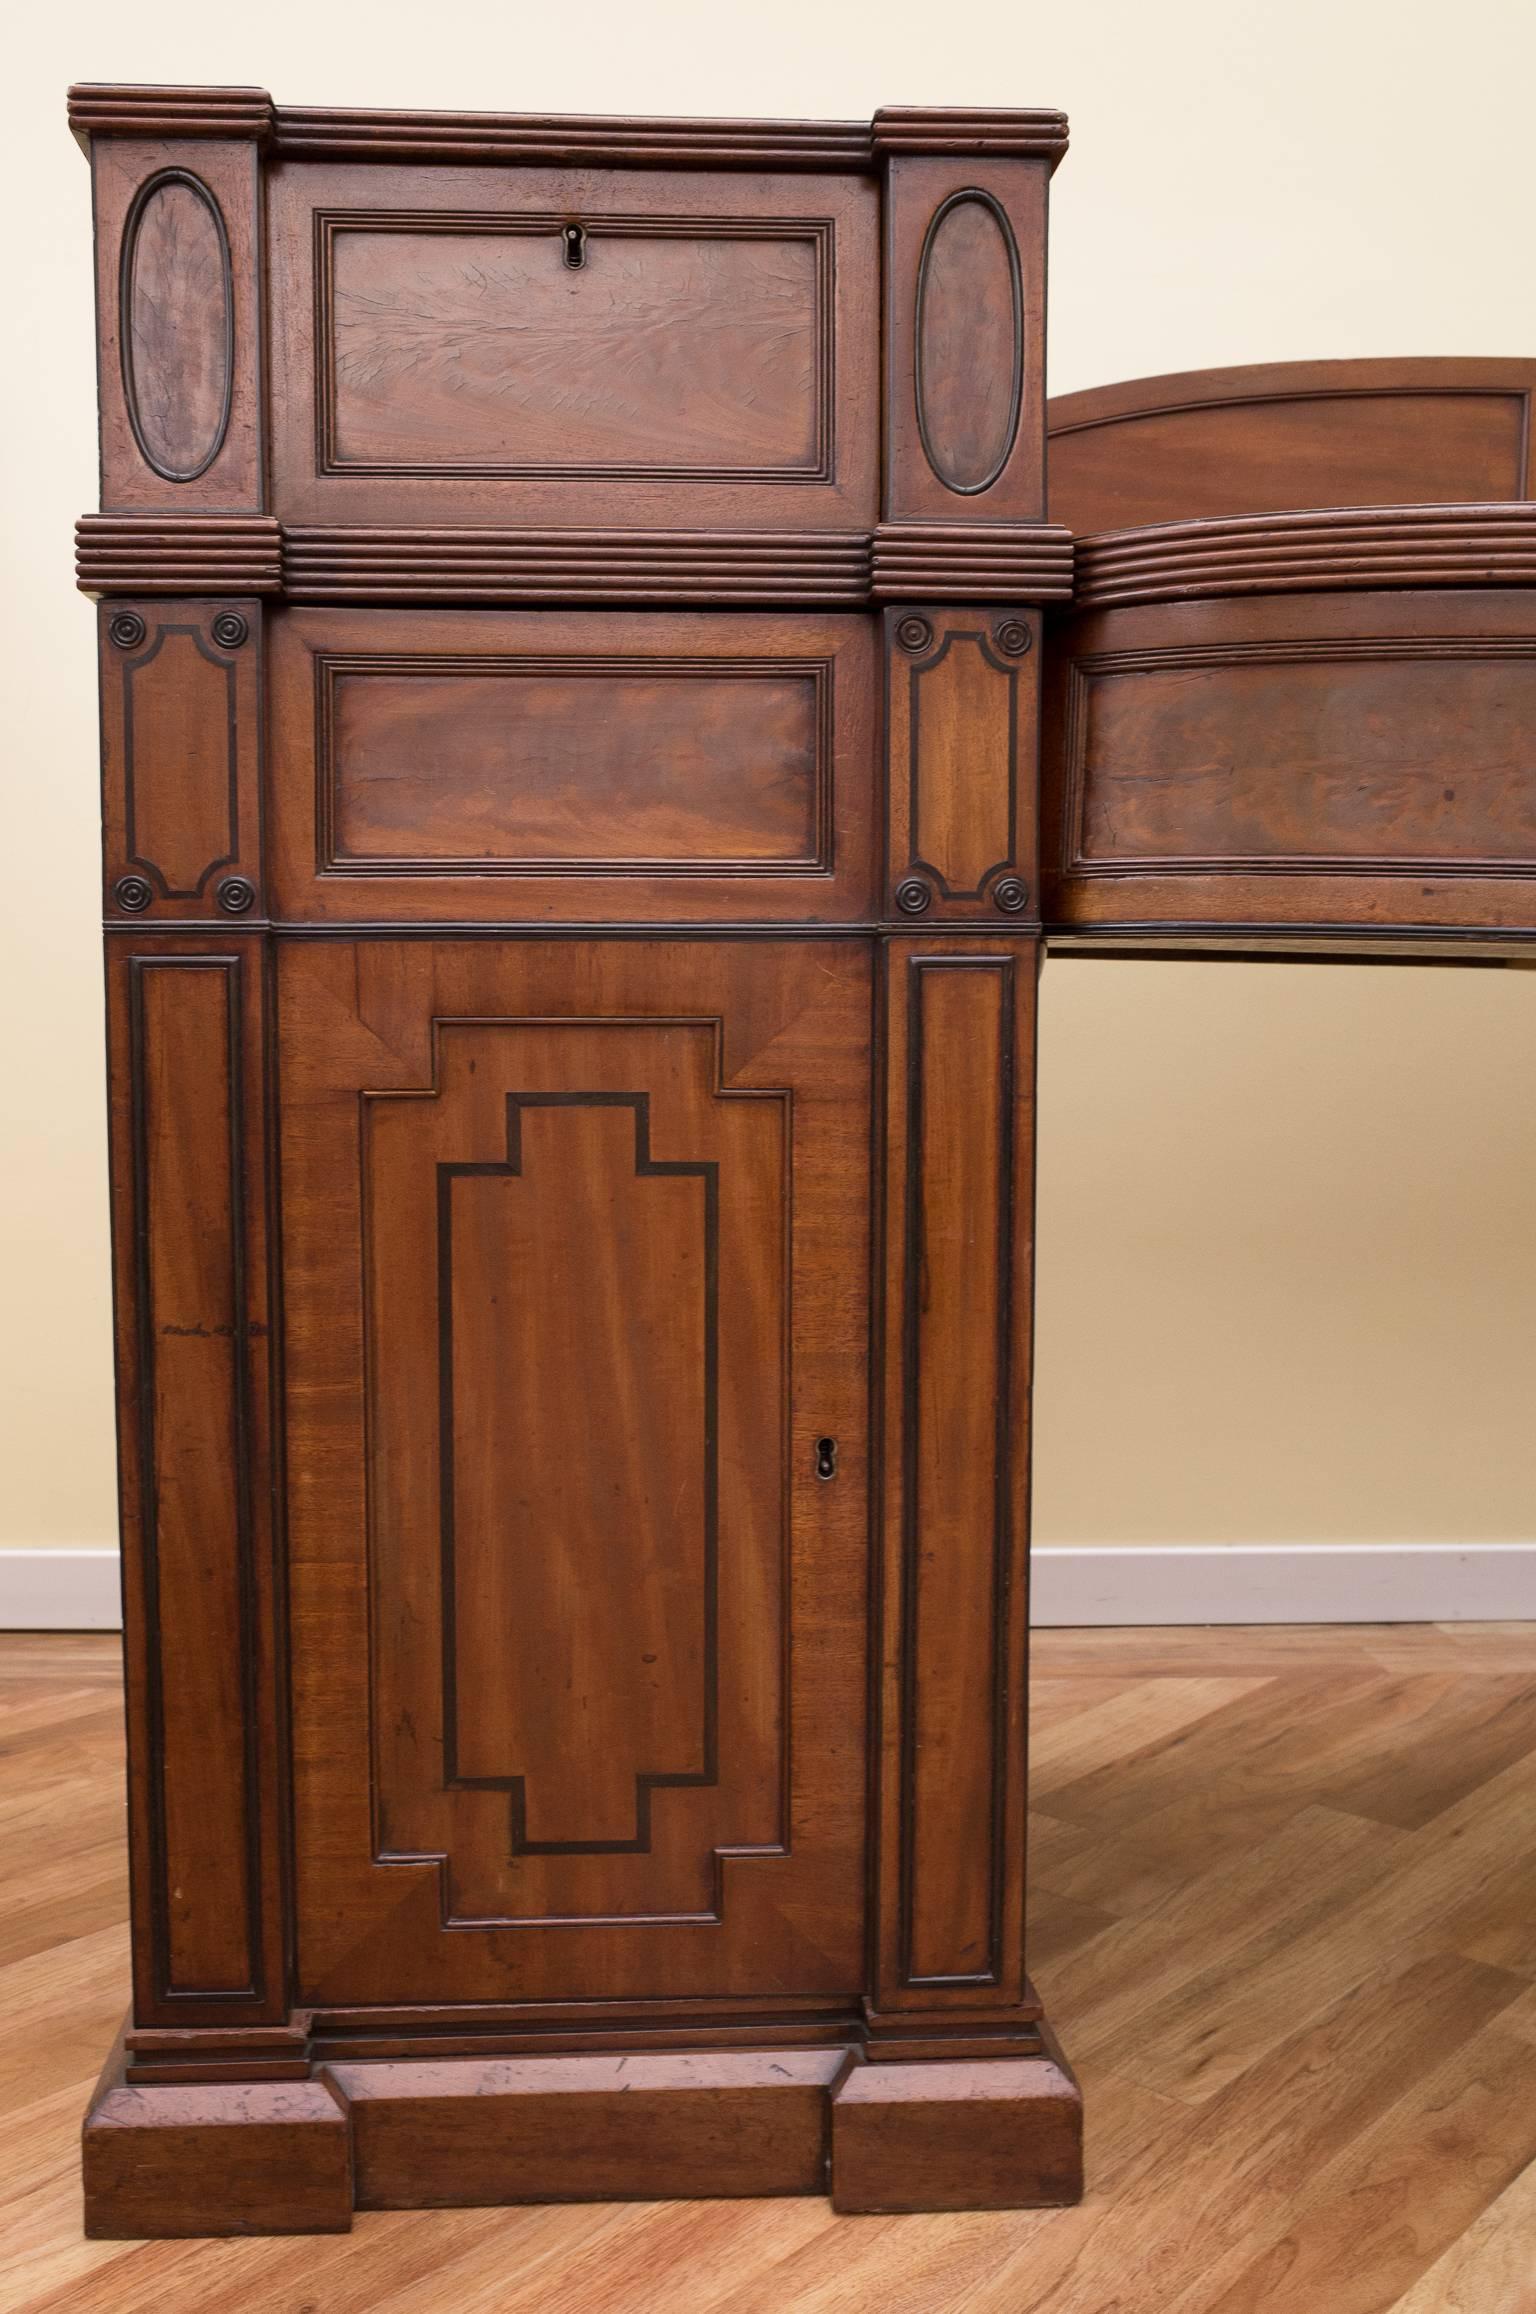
<point x="324" y="132"/>
<point x="253" y="554"/>
<point x="188" y="554"/>
<point x="972" y="562"/>
<point x="104" y="109"/>
<point x="1335" y="548"/>
<point x="904" y="128"/>
<point x="575" y="566"/>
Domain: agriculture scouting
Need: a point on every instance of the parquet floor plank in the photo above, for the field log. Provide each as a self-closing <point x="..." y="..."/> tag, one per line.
<point x="1284" y="1899"/>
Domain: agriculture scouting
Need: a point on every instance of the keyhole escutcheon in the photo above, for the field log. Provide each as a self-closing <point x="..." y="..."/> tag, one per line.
<point x="826" y="1458"/>
<point x="574" y="238"/>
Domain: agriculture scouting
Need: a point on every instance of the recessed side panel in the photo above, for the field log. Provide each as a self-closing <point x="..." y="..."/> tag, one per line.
<point x="1312" y="760"/>
<point x="959" y="1040"/>
<point x="965" y="339"/>
<point x="186" y="1023"/>
<point x="179" y="312"/>
<point x="181" y="690"/>
<point x="962" y="742"/>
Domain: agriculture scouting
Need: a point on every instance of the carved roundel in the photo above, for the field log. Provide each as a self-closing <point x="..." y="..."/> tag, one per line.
<point x="1011" y="895"/>
<point x="913" y="896"/>
<point x="127" y="630"/>
<point x="133" y="893"/>
<point x="914" y="633"/>
<point x="236" y="895"/>
<point x="1013" y="636"/>
<point x="229" y="630"/>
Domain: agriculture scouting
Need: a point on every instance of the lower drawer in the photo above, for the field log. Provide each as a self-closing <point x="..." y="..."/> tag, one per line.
<point x="1360" y="761"/>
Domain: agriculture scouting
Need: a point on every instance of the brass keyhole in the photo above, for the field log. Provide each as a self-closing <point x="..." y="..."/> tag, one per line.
<point x="826" y="1458"/>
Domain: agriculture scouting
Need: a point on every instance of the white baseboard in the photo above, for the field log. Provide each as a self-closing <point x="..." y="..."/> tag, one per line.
<point x="1285" y="1583"/>
<point x="77" y="1590"/>
<point x="60" y="1590"/>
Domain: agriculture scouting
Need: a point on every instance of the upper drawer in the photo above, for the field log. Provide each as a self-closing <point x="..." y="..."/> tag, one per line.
<point x="591" y="767"/>
<point x="574" y="347"/>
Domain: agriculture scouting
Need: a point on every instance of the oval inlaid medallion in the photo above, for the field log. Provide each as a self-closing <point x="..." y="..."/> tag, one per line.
<point x="969" y="342"/>
<point x="177" y="325"/>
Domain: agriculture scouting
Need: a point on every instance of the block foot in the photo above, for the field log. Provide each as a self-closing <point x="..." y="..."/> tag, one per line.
<point x="249" y="2157"/>
<point x="989" y="2133"/>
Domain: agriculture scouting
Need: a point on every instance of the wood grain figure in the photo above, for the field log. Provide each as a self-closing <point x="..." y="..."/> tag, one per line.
<point x="524" y="1204"/>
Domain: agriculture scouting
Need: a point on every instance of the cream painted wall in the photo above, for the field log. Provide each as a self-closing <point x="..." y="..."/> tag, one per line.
<point x="1289" y="1257"/>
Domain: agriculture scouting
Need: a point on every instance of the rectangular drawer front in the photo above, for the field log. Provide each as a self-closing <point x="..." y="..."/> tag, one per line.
<point x="575" y="347"/>
<point x="593" y="767"/>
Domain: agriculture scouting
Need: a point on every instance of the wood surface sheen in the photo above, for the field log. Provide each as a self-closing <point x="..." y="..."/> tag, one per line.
<point x="572" y="1076"/>
<point x="1316" y="720"/>
<point x="710" y="361"/>
<point x="491" y="766"/>
<point x="1291" y="434"/>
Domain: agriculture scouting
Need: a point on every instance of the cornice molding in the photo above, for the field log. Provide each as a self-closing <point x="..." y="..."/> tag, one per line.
<point x="333" y="133"/>
<point x="561" y="138"/>
<point x="1317" y="550"/>
<point x="978" y="131"/>
<point x="104" y="109"/>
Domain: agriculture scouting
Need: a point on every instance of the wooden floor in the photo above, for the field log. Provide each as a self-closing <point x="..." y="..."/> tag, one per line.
<point x="1285" y="1921"/>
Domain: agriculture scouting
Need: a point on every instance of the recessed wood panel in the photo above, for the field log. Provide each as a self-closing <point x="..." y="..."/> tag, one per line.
<point x="580" y="1563"/>
<point x="576" y="1366"/>
<point x="487" y="765"/>
<point x="1313" y="760"/>
<point x="599" y="1229"/>
<point x="189" y="1246"/>
<point x="959" y="1206"/>
<point x="474" y="344"/>
<point x="1370" y="754"/>
<point x="178" y="296"/>
<point x="179" y="749"/>
<point x="566" y="1708"/>
<point x="178" y="325"/>
<point x="962" y="737"/>
<point x="964" y="338"/>
<point x="959" y="1030"/>
<point x="189" y="1196"/>
<point x="969" y="342"/>
<point x="181" y="710"/>
<point x="576" y="763"/>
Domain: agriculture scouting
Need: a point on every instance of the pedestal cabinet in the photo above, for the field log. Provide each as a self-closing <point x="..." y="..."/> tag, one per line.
<point x="570" y="601"/>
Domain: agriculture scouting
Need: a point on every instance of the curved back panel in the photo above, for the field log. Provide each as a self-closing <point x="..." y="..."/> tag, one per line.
<point x="1285" y="435"/>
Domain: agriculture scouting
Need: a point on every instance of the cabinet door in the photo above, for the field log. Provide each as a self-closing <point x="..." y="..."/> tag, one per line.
<point x="576" y="1286"/>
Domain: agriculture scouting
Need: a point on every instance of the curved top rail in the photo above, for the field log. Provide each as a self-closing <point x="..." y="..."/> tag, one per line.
<point x="1278" y="436"/>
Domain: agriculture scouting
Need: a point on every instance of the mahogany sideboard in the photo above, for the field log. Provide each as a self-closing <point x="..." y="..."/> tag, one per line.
<point x="598" y="723"/>
<point x="570" y="606"/>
